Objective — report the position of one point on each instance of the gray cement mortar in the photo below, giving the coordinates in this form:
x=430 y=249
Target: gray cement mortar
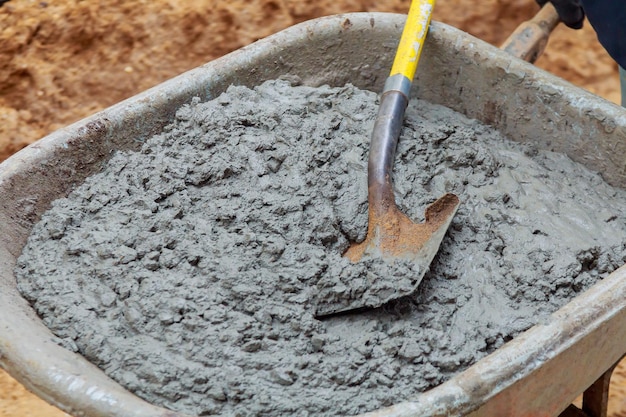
x=190 y=271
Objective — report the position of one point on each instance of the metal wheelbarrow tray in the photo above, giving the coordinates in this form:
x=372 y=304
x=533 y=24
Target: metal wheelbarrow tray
x=539 y=373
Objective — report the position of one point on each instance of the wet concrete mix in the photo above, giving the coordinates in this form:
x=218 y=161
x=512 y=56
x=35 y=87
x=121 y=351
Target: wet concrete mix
x=189 y=271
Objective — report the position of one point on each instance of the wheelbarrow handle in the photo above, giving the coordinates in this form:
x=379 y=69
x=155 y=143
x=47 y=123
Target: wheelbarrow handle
x=529 y=40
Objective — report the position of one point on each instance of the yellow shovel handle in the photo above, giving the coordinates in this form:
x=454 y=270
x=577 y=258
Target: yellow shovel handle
x=412 y=40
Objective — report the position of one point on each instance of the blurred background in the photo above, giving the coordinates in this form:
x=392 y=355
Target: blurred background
x=63 y=60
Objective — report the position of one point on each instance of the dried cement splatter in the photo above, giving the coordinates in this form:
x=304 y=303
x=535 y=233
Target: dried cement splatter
x=188 y=271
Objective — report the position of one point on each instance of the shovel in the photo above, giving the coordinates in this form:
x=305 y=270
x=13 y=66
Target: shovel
x=391 y=235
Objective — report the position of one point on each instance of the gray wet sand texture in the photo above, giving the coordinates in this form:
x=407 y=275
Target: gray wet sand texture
x=188 y=271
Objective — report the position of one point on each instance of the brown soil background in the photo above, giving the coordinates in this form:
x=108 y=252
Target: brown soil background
x=66 y=59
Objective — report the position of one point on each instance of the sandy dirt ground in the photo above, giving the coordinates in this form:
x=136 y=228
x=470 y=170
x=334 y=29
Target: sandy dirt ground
x=66 y=59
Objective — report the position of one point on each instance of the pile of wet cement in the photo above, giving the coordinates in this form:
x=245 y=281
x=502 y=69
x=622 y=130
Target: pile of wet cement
x=188 y=271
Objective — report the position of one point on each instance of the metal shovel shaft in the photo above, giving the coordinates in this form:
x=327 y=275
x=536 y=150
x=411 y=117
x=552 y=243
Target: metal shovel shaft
x=383 y=146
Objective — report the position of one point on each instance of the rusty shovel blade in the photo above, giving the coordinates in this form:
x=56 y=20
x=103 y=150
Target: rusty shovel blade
x=393 y=237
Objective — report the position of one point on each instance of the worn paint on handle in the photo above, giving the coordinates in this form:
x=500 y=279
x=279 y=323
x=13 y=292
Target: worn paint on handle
x=412 y=39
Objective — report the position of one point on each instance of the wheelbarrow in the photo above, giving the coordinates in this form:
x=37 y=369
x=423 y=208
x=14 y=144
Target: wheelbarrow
x=538 y=373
